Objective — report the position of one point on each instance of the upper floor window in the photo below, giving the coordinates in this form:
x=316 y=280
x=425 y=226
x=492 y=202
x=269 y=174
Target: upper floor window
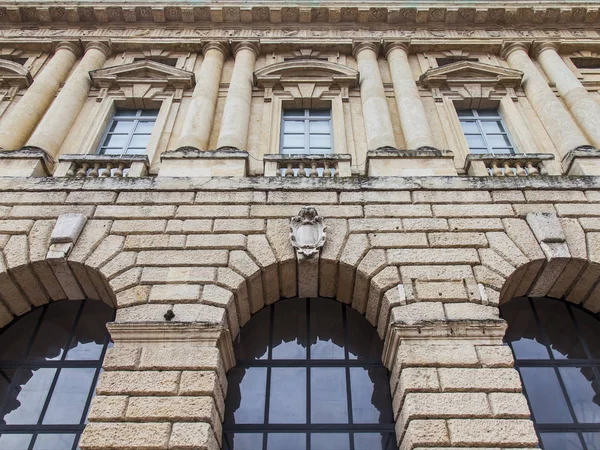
x=308 y=377
x=306 y=131
x=485 y=132
x=50 y=360
x=556 y=346
x=128 y=132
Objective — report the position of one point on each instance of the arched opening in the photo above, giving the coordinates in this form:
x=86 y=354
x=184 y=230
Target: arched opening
x=556 y=346
x=50 y=360
x=309 y=376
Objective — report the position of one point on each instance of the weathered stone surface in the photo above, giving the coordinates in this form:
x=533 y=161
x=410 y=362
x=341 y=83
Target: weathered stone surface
x=425 y=224
x=169 y=275
x=394 y=240
x=219 y=198
x=227 y=241
x=374 y=225
x=201 y=211
x=398 y=211
x=155 y=198
x=174 y=293
x=138 y=226
x=457 y=239
x=238 y=226
x=433 y=256
x=138 y=382
x=451 y=197
x=307 y=198
x=108 y=408
x=373 y=262
x=375 y=197
x=509 y=406
x=480 y=432
x=134 y=212
x=100 y=436
x=182 y=258
x=508 y=196
x=494 y=356
x=496 y=210
x=476 y=224
x=479 y=380
x=193 y=436
x=423 y=432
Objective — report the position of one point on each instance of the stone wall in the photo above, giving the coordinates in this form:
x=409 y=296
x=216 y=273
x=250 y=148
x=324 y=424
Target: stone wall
x=187 y=261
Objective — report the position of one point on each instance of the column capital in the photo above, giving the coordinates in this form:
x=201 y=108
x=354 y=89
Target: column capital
x=104 y=47
x=388 y=46
x=72 y=46
x=509 y=47
x=539 y=47
x=253 y=46
x=358 y=47
x=220 y=46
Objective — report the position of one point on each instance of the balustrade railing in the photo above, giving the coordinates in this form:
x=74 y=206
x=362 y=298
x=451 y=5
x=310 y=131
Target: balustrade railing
x=101 y=166
x=310 y=166
x=522 y=165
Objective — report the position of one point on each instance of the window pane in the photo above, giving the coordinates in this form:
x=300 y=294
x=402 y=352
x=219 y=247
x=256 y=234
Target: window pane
x=69 y=396
x=579 y=385
x=545 y=395
x=374 y=441
x=328 y=395
x=126 y=112
x=492 y=126
x=53 y=334
x=475 y=141
x=288 y=395
x=320 y=126
x=15 y=441
x=488 y=113
x=144 y=127
x=363 y=341
x=560 y=441
x=559 y=328
x=320 y=141
x=326 y=330
x=286 y=441
x=592 y=440
x=590 y=330
x=253 y=340
x=293 y=151
x=469 y=127
x=139 y=141
x=293 y=112
x=523 y=333
x=88 y=342
x=370 y=395
x=330 y=441
x=245 y=441
x=498 y=140
x=246 y=395
x=293 y=126
x=15 y=338
x=289 y=330
x=121 y=126
x=115 y=140
x=464 y=113
x=293 y=140
x=320 y=112
x=25 y=403
x=54 y=441
x=149 y=113
x=112 y=151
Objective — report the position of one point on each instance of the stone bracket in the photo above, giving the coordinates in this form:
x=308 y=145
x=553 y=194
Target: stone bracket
x=66 y=231
x=548 y=231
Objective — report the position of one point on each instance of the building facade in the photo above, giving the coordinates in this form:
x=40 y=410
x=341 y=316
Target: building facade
x=206 y=177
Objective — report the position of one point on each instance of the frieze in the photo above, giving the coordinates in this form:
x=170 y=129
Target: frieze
x=325 y=32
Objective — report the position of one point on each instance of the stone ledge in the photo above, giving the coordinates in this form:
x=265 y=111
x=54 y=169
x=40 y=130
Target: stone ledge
x=26 y=162
x=424 y=161
x=582 y=161
x=191 y=162
x=228 y=184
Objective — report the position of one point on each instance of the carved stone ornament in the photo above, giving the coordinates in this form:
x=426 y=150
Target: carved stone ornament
x=307 y=231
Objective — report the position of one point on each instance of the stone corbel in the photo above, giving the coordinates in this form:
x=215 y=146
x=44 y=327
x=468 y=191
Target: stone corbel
x=307 y=235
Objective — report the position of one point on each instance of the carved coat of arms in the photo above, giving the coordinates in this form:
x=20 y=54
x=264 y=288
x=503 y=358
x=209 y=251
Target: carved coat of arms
x=307 y=231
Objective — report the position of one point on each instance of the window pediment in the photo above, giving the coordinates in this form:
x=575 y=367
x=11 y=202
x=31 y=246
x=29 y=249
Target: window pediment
x=471 y=72
x=306 y=70
x=142 y=72
x=14 y=75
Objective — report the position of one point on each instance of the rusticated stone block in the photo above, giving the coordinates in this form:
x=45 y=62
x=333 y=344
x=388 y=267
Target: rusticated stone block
x=124 y=436
x=509 y=406
x=108 y=408
x=423 y=432
x=138 y=383
x=495 y=356
x=492 y=432
x=479 y=380
x=193 y=436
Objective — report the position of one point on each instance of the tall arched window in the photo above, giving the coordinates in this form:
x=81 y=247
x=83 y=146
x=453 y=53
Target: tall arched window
x=557 y=353
x=50 y=360
x=308 y=377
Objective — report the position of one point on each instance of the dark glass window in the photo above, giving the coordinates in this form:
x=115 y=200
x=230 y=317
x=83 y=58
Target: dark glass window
x=50 y=360
x=556 y=347
x=128 y=132
x=308 y=377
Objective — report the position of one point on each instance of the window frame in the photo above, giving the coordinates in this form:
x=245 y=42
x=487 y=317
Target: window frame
x=137 y=118
x=350 y=427
x=551 y=362
x=307 y=117
x=58 y=364
x=479 y=120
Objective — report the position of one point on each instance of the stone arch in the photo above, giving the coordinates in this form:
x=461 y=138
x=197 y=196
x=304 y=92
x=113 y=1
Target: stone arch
x=34 y=270
x=541 y=256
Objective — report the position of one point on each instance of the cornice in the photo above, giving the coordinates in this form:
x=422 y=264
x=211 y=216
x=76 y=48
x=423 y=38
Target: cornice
x=368 y=12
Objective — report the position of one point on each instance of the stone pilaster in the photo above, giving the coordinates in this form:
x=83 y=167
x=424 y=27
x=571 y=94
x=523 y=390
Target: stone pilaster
x=236 y=116
x=17 y=127
x=378 y=125
x=410 y=107
x=200 y=115
x=559 y=124
x=54 y=127
x=583 y=107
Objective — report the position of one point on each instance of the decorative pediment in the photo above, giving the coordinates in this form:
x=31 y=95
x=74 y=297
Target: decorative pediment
x=142 y=72
x=300 y=71
x=14 y=75
x=471 y=72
